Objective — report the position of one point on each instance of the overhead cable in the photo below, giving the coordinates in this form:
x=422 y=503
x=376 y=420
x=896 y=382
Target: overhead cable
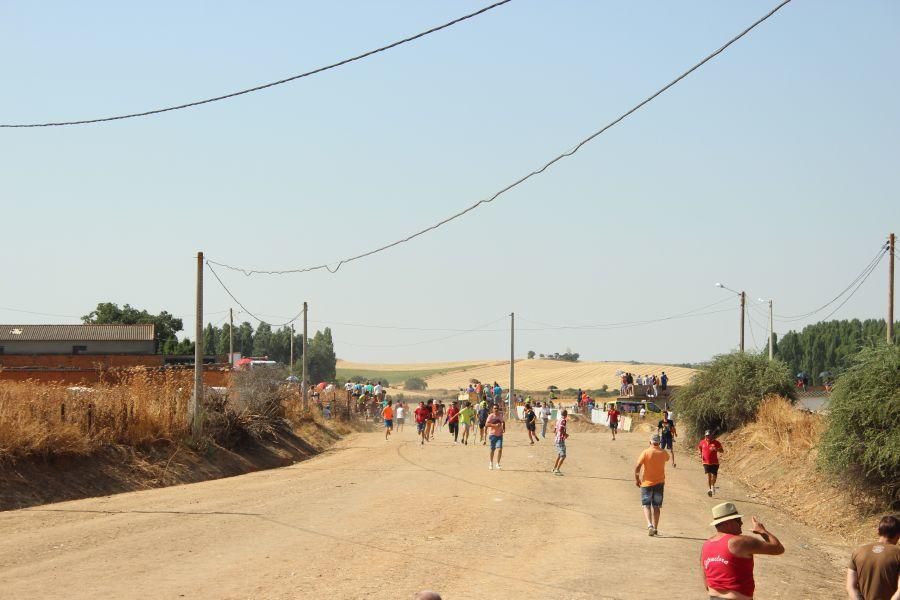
x=265 y=85
x=861 y=276
x=576 y=148
x=479 y=329
x=244 y=308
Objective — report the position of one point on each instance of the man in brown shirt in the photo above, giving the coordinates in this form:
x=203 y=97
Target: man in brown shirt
x=874 y=569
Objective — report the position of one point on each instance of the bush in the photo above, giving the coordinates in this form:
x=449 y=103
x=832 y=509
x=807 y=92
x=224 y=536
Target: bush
x=252 y=409
x=727 y=394
x=415 y=383
x=862 y=438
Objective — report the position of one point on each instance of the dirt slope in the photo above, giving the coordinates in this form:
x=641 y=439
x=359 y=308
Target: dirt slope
x=377 y=520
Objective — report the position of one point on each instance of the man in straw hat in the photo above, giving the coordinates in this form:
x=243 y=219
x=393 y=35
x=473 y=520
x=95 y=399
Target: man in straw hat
x=650 y=476
x=727 y=557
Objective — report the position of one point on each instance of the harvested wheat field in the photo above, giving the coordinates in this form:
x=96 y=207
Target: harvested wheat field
x=535 y=374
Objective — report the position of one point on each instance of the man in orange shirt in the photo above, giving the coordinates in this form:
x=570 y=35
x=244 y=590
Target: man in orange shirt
x=387 y=413
x=650 y=476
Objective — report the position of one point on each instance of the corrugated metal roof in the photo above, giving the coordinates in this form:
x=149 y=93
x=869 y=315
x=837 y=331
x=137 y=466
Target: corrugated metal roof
x=76 y=333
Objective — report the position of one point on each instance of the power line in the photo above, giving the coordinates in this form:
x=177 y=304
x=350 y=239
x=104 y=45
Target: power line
x=479 y=329
x=265 y=85
x=862 y=276
x=519 y=181
x=624 y=324
x=847 y=299
x=245 y=309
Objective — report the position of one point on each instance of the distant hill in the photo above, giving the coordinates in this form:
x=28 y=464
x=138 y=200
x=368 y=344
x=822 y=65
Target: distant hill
x=534 y=375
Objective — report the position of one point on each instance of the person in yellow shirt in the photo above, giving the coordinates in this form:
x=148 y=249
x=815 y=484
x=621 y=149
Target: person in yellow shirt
x=650 y=476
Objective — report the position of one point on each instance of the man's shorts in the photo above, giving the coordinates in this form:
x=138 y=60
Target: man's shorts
x=561 y=448
x=420 y=427
x=613 y=425
x=400 y=420
x=652 y=495
x=482 y=422
x=496 y=441
x=666 y=443
x=530 y=426
x=712 y=469
x=388 y=424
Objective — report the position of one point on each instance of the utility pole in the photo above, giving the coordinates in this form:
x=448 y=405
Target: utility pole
x=890 y=315
x=743 y=310
x=231 y=336
x=197 y=398
x=771 y=332
x=304 y=384
x=291 y=368
x=512 y=364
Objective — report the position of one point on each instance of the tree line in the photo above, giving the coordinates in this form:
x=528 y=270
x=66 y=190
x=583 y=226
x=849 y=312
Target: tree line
x=263 y=341
x=828 y=346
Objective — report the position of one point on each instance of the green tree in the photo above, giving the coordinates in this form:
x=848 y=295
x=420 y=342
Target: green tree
x=862 y=438
x=322 y=361
x=262 y=340
x=109 y=313
x=243 y=339
x=530 y=354
x=727 y=393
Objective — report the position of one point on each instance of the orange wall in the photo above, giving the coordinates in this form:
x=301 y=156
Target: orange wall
x=211 y=377
x=81 y=361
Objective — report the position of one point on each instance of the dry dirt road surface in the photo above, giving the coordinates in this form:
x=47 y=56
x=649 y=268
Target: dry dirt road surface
x=376 y=519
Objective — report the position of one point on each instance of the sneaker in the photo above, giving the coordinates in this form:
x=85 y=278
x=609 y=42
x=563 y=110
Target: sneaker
x=498 y=466
x=490 y=466
x=709 y=492
x=650 y=530
x=559 y=473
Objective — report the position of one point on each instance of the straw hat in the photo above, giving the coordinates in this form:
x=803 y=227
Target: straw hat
x=724 y=512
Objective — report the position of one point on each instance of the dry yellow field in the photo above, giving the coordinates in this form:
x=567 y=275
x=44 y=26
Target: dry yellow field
x=533 y=375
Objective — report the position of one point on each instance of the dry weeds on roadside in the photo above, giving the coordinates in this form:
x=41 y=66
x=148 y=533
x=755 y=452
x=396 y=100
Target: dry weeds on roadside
x=37 y=419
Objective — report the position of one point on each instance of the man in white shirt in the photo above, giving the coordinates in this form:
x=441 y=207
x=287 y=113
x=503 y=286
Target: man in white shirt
x=378 y=390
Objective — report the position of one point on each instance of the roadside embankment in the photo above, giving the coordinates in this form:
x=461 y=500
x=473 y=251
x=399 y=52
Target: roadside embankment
x=776 y=456
x=62 y=443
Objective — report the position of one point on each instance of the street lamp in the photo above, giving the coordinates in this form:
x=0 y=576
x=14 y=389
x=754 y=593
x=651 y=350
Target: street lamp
x=771 y=329
x=743 y=296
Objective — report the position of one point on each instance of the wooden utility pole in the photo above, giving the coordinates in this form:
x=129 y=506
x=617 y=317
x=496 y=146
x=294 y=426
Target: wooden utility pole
x=743 y=309
x=890 y=315
x=771 y=332
x=512 y=365
x=197 y=398
x=304 y=384
x=231 y=336
x=291 y=368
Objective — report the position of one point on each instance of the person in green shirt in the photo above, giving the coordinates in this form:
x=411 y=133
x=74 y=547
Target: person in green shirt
x=466 y=420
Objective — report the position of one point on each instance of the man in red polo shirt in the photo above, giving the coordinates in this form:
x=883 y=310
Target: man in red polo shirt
x=709 y=448
x=422 y=414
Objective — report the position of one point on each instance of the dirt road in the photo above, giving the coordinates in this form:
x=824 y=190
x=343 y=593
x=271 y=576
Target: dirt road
x=371 y=519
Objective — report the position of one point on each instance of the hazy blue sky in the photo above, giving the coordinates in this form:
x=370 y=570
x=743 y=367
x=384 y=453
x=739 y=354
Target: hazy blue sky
x=774 y=168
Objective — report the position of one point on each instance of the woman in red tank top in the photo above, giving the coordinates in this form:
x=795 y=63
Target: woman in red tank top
x=727 y=557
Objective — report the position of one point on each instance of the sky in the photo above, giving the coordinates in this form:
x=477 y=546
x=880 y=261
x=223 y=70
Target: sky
x=772 y=169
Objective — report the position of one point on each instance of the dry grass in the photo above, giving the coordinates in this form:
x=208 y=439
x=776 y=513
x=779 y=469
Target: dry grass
x=776 y=456
x=40 y=419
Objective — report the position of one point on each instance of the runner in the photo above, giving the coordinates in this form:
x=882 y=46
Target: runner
x=667 y=434
x=387 y=413
x=874 y=569
x=496 y=427
x=650 y=476
x=727 y=557
x=400 y=415
x=466 y=418
x=453 y=421
x=562 y=425
x=422 y=414
x=613 y=415
x=438 y=416
x=545 y=419
x=531 y=424
x=431 y=407
x=709 y=448
x=482 y=422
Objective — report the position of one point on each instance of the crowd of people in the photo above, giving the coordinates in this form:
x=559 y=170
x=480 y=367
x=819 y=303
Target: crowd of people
x=646 y=385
